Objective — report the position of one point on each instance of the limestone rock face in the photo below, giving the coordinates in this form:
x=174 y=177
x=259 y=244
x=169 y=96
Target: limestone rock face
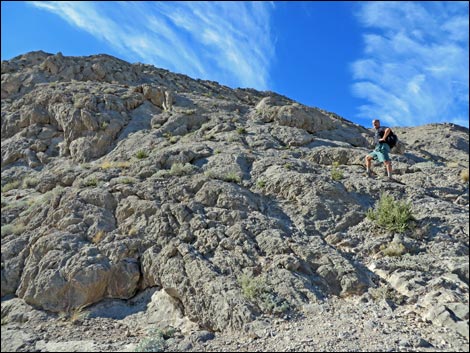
x=119 y=178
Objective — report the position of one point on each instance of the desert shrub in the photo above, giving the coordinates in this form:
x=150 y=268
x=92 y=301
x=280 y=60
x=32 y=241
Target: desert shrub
x=98 y=237
x=115 y=164
x=10 y=186
x=386 y=293
x=257 y=291
x=232 y=177
x=392 y=215
x=141 y=154
x=127 y=180
x=260 y=183
x=336 y=173
x=30 y=182
x=90 y=182
x=464 y=175
x=7 y=229
x=154 y=342
x=178 y=169
x=393 y=249
x=251 y=287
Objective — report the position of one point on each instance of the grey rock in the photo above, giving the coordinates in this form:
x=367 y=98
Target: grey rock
x=118 y=178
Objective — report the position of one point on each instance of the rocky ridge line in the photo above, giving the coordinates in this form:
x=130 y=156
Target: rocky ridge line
x=122 y=178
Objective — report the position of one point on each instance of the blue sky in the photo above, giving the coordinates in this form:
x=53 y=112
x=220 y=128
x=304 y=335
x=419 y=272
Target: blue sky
x=405 y=63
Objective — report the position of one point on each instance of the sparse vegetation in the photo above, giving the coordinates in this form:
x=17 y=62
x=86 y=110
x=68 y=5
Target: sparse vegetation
x=115 y=164
x=30 y=182
x=452 y=164
x=133 y=231
x=260 y=183
x=78 y=315
x=154 y=342
x=241 y=130
x=127 y=181
x=39 y=201
x=209 y=137
x=256 y=290
x=16 y=229
x=336 y=173
x=74 y=316
x=11 y=185
x=464 y=175
x=7 y=229
x=85 y=165
x=141 y=154
x=394 y=216
x=393 y=249
x=98 y=237
x=179 y=169
x=384 y=292
x=220 y=243
x=251 y=287
x=90 y=182
x=233 y=138
x=232 y=177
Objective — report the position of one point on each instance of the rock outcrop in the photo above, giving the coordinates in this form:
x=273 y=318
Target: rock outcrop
x=231 y=203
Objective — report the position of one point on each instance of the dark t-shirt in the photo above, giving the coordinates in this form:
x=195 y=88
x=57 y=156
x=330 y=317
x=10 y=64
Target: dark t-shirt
x=379 y=133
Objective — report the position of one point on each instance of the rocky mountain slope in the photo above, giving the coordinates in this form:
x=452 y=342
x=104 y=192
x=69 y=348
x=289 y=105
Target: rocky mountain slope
x=135 y=194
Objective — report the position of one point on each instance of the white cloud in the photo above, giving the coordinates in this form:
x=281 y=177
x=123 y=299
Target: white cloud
x=414 y=68
x=228 y=42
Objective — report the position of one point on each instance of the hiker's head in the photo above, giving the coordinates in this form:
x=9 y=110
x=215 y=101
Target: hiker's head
x=376 y=123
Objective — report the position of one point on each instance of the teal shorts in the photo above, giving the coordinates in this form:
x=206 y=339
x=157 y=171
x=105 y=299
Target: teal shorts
x=381 y=152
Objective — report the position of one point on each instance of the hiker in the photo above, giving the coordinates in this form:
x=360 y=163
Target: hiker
x=382 y=149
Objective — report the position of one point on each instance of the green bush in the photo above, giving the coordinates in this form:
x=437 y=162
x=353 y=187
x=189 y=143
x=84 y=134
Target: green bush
x=336 y=173
x=90 y=182
x=154 y=342
x=141 y=154
x=256 y=290
x=394 y=216
x=232 y=177
x=393 y=249
x=260 y=183
x=12 y=185
x=30 y=182
x=252 y=287
x=16 y=229
x=179 y=169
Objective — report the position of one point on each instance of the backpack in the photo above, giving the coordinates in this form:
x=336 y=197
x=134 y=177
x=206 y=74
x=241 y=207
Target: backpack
x=391 y=140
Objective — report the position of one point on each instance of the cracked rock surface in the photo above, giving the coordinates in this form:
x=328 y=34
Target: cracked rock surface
x=143 y=207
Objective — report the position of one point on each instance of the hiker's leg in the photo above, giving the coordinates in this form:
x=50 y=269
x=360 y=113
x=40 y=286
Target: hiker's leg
x=368 y=163
x=388 y=166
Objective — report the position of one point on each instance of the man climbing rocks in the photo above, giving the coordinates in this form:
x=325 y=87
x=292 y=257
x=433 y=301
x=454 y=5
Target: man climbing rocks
x=382 y=149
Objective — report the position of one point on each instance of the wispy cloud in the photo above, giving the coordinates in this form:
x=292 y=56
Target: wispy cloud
x=415 y=65
x=228 y=42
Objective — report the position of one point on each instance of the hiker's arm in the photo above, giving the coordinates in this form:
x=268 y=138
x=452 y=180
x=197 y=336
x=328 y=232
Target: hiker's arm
x=386 y=133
